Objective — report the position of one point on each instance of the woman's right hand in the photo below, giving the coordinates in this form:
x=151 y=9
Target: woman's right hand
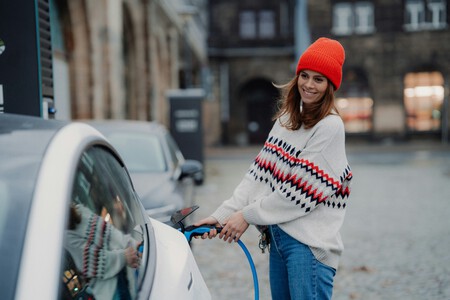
x=208 y=221
x=132 y=257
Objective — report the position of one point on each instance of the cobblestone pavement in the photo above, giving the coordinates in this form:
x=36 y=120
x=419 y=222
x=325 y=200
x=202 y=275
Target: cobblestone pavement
x=396 y=232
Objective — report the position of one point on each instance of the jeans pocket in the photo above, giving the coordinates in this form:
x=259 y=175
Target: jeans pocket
x=326 y=267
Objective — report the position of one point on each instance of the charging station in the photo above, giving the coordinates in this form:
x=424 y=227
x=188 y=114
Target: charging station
x=26 y=69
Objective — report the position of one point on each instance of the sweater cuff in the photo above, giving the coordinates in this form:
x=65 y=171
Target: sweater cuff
x=250 y=214
x=221 y=215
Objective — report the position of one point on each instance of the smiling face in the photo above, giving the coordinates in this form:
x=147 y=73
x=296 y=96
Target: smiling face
x=311 y=86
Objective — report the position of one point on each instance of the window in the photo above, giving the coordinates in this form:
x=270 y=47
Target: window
x=146 y=155
x=253 y=24
x=364 y=18
x=266 y=24
x=176 y=157
x=415 y=14
x=342 y=19
x=425 y=15
x=353 y=18
x=438 y=11
x=247 y=22
x=423 y=98
x=105 y=219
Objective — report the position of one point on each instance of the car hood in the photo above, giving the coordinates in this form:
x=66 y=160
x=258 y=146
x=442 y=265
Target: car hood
x=179 y=276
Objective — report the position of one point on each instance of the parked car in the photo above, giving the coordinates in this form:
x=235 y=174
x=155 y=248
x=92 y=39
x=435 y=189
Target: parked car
x=72 y=225
x=163 y=178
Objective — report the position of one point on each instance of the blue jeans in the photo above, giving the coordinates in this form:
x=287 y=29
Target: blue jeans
x=294 y=271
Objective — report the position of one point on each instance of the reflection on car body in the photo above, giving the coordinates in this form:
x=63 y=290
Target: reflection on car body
x=72 y=225
x=101 y=227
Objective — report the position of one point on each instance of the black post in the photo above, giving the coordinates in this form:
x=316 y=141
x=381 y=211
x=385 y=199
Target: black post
x=186 y=124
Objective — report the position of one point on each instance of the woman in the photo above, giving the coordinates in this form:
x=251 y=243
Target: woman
x=299 y=182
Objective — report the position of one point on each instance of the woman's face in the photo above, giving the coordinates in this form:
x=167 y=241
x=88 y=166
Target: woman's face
x=311 y=86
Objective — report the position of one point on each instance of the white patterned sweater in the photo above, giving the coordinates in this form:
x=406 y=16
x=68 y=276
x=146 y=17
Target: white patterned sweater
x=300 y=180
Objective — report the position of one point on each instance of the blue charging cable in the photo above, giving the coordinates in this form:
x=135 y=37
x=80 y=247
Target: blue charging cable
x=192 y=231
x=252 y=266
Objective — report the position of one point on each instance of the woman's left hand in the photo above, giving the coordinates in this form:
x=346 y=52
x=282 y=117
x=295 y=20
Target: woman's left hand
x=234 y=227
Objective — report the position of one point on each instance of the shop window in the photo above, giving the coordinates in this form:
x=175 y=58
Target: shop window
x=425 y=15
x=354 y=103
x=423 y=99
x=356 y=113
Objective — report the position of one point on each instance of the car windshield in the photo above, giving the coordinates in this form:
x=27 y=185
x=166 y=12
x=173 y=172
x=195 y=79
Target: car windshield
x=141 y=152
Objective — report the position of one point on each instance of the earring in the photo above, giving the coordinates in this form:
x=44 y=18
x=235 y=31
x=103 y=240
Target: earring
x=301 y=106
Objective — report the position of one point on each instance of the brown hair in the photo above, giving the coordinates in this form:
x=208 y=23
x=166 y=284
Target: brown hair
x=311 y=114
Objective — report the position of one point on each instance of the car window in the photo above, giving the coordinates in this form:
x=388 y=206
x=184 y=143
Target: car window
x=105 y=220
x=141 y=152
x=174 y=150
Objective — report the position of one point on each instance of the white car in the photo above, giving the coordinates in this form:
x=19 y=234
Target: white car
x=72 y=225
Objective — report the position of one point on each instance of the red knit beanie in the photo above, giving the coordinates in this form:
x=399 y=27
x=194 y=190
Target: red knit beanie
x=325 y=56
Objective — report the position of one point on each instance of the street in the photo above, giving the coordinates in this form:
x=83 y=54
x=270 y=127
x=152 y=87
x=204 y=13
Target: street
x=396 y=232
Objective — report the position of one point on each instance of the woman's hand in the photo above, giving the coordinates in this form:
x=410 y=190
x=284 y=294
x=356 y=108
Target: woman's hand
x=208 y=221
x=132 y=257
x=234 y=227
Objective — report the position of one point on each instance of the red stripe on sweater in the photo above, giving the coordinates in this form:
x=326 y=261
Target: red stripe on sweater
x=304 y=162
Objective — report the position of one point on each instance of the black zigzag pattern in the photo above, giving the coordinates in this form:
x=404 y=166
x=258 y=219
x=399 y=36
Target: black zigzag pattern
x=287 y=155
x=274 y=166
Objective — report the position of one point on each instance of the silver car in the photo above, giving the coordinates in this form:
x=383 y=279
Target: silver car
x=164 y=180
x=72 y=225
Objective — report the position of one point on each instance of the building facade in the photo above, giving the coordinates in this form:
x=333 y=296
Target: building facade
x=119 y=59
x=396 y=74
x=251 y=47
x=116 y=59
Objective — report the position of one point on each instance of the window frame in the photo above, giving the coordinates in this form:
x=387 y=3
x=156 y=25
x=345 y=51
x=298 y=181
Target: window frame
x=349 y=19
x=422 y=15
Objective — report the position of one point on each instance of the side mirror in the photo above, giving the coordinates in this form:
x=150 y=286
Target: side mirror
x=194 y=169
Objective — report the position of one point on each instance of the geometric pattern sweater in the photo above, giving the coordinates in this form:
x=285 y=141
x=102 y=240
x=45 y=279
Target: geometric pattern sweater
x=300 y=180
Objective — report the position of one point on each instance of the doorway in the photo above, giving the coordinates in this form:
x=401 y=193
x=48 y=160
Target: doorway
x=260 y=97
